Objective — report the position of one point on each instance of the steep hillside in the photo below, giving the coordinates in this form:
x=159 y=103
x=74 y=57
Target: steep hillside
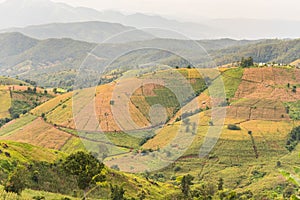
x=20 y=43
x=279 y=51
x=11 y=81
x=262 y=108
x=45 y=166
x=18 y=97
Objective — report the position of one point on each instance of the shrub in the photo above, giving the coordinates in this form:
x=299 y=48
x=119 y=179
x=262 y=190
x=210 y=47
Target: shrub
x=115 y=167
x=16 y=181
x=233 y=127
x=293 y=139
x=177 y=169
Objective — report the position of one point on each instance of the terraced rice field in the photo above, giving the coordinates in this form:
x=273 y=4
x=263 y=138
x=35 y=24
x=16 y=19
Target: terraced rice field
x=37 y=133
x=51 y=104
x=269 y=83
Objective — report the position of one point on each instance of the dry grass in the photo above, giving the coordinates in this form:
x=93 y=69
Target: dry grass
x=269 y=83
x=5 y=102
x=39 y=133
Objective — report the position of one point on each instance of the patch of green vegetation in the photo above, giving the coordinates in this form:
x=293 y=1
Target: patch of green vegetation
x=120 y=139
x=194 y=77
x=29 y=194
x=13 y=153
x=232 y=79
x=61 y=177
x=164 y=97
x=293 y=139
x=293 y=109
x=11 y=81
x=18 y=108
x=124 y=140
x=17 y=124
x=24 y=101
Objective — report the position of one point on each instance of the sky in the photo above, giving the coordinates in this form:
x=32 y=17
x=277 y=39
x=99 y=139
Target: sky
x=195 y=10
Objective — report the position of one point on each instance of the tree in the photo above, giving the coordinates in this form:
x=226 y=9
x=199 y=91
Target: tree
x=248 y=62
x=142 y=195
x=86 y=169
x=220 y=184
x=54 y=90
x=117 y=193
x=16 y=181
x=294 y=89
x=186 y=182
x=278 y=164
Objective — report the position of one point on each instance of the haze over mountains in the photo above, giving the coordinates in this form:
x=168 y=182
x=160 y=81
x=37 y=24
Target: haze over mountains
x=22 y=13
x=93 y=31
x=51 y=60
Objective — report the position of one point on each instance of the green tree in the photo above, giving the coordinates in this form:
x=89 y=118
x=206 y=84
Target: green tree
x=16 y=182
x=54 y=90
x=86 y=169
x=294 y=89
x=248 y=62
x=186 y=183
x=220 y=184
x=34 y=90
x=117 y=193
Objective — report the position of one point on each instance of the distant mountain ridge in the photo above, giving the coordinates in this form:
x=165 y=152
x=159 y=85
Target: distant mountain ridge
x=93 y=31
x=22 y=13
x=55 y=62
x=279 y=51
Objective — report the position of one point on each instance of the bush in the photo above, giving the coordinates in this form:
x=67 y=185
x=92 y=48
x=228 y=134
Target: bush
x=177 y=169
x=38 y=197
x=293 y=139
x=248 y=62
x=233 y=127
x=16 y=181
x=115 y=167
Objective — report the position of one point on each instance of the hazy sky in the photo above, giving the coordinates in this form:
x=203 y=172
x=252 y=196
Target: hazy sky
x=197 y=9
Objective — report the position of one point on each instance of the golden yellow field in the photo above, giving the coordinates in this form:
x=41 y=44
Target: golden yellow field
x=5 y=102
x=51 y=104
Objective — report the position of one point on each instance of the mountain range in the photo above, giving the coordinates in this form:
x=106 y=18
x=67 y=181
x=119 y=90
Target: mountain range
x=50 y=61
x=22 y=13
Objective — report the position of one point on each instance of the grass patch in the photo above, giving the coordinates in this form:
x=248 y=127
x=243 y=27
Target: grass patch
x=16 y=125
x=232 y=79
x=293 y=109
x=5 y=103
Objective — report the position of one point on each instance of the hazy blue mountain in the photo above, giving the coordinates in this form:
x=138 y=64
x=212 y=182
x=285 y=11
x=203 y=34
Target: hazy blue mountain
x=95 y=32
x=15 y=43
x=21 y=13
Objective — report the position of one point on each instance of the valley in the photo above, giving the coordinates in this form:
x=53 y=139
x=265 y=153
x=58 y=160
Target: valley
x=256 y=106
x=140 y=100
